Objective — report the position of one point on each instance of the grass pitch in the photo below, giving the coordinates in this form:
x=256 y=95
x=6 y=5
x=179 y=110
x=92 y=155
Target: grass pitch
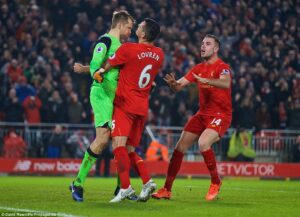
x=49 y=196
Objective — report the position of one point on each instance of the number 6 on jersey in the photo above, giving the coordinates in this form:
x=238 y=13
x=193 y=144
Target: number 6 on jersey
x=145 y=77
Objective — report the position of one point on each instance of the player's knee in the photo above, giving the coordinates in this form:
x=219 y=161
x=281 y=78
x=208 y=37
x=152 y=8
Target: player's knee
x=101 y=142
x=204 y=145
x=98 y=147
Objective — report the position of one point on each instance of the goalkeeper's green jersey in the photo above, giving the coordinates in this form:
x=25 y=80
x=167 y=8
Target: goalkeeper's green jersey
x=102 y=94
x=105 y=47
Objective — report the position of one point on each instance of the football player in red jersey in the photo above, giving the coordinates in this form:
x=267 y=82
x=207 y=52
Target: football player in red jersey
x=139 y=64
x=211 y=121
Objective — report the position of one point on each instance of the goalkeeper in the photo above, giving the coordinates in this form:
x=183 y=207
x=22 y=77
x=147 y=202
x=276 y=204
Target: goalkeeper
x=102 y=94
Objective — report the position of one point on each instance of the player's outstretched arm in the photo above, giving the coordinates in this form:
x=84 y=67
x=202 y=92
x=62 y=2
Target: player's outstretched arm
x=223 y=82
x=79 y=68
x=175 y=85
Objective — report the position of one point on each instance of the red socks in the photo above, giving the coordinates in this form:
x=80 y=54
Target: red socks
x=209 y=159
x=123 y=165
x=139 y=166
x=173 y=169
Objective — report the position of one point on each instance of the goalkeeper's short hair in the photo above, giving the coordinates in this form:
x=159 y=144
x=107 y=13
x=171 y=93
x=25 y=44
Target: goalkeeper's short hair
x=121 y=16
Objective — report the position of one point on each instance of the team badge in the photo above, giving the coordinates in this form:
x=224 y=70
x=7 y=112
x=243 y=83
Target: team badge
x=225 y=72
x=99 y=50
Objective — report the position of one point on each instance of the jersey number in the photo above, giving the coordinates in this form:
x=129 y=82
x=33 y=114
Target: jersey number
x=145 y=77
x=216 y=121
x=113 y=124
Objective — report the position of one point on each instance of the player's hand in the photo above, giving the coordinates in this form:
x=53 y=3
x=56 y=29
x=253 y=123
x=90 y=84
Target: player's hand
x=200 y=79
x=78 y=67
x=171 y=80
x=98 y=76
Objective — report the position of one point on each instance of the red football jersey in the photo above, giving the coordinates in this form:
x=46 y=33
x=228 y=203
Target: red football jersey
x=139 y=64
x=212 y=100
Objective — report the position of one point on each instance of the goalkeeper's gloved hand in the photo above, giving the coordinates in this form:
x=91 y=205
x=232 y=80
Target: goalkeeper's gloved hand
x=98 y=75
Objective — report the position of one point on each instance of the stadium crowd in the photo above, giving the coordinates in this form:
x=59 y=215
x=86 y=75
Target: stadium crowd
x=41 y=40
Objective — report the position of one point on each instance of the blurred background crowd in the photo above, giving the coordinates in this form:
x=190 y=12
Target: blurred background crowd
x=41 y=40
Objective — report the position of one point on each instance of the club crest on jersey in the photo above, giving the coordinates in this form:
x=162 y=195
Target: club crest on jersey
x=112 y=56
x=225 y=72
x=99 y=50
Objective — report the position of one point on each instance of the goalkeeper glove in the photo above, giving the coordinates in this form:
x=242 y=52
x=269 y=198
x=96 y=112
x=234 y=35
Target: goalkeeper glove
x=98 y=75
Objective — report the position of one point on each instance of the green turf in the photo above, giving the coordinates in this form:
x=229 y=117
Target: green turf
x=237 y=198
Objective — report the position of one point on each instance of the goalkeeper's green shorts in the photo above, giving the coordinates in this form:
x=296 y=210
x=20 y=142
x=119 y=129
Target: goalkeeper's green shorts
x=102 y=104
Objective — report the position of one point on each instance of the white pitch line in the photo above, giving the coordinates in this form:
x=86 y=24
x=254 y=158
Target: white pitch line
x=44 y=213
x=250 y=190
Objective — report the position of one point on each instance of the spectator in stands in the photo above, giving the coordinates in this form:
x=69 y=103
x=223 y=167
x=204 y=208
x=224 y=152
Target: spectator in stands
x=23 y=89
x=162 y=106
x=14 y=146
x=41 y=36
x=294 y=115
x=12 y=108
x=263 y=117
x=14 y=71
x=55 y=142
x=246 y=111
x=75 y=110
x=32 y=106
x=77 y=144
x=45 y=91
x=55 y=109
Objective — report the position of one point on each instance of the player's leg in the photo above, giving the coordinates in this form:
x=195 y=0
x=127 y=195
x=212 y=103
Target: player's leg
x=102 y=107
x=133 y=141
x=89 y=159
x=207 y=138
x=137 y=162
x=92 y=154
x=189 y=136
x=120 y=131
x=216 y=127
x=123 y=168
x=187 y=139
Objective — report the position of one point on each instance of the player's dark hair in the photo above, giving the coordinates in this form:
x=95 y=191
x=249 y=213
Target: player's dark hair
x=151 y=29
x=121 y=16
x=217 y=40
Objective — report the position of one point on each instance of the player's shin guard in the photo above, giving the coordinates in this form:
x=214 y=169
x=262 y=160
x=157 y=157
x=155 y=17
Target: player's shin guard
x=173 y=168
x=139 y=165
x=210 y=161
x=123 y=165
x=87 y=163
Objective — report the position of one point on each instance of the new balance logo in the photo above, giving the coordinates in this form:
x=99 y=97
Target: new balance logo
x=22 y=165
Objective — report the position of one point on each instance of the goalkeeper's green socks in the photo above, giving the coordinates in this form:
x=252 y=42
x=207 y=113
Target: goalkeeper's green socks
x=88 y=161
